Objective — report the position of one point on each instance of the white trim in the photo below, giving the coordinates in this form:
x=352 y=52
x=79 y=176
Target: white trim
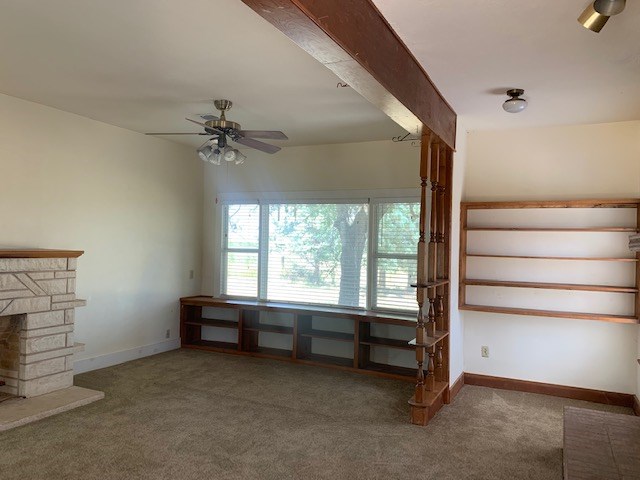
x=109 y=359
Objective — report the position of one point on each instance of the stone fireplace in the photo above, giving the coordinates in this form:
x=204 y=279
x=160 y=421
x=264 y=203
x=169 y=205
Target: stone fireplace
x=37 y=315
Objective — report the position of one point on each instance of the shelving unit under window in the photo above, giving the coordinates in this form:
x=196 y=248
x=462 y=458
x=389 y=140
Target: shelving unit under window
x=367 y=342
x=567 y=259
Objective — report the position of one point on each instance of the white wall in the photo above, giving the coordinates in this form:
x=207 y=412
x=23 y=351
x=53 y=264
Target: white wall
x=572 y=162
x=132 y=203
x=456 y=332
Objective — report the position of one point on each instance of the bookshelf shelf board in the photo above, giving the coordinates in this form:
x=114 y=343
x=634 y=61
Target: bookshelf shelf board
x=265 y=327
x=550 y=286
x=534 y=257
x=213 y=322
x=328 y=335
x=551 y=313
x=558 y=229
x=431 y=341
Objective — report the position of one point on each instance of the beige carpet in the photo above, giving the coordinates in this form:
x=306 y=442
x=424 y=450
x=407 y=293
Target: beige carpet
x=197 y=415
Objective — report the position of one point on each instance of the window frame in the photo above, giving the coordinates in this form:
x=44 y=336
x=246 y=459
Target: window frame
x=372 y=250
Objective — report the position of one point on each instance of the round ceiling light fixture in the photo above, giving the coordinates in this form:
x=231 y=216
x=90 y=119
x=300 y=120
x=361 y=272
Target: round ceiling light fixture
x=515 y=104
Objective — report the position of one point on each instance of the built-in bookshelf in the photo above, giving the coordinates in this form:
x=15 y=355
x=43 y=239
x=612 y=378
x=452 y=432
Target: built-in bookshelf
x=372 y=343
x=512 y=254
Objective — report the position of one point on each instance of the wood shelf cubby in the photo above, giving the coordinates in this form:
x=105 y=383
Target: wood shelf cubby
x=328 y=335
x=590 y=251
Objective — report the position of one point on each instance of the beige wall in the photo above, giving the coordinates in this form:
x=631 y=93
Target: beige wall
x=133 y=203
x=572 y=162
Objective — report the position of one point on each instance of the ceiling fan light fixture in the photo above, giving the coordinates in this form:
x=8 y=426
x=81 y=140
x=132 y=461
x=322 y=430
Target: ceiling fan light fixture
x=592 y=20
x=240 y=157
x=205 y=153
x=609 y=8
x=515 y=104
x=216 y=157
x=229 y=153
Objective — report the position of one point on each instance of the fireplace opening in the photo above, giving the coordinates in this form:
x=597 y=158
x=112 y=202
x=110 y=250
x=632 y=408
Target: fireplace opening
x=10 y=327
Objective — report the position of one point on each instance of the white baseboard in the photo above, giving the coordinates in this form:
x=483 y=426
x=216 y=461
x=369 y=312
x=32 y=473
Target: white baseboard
x=109 y=359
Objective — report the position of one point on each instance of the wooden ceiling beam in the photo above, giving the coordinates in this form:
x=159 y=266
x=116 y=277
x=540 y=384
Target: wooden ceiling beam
x=353 y=39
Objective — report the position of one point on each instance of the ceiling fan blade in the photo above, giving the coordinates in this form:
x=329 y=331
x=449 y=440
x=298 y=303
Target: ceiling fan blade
x=209 y=117
x=174 y=133
x=271 y=134
x=258 y=145
x=204 y=125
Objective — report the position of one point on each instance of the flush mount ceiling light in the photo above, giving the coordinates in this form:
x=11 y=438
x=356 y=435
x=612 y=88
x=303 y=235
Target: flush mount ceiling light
x=595 y=16
x=515 y=104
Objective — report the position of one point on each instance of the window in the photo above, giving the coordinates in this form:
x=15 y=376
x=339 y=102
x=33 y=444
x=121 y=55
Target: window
x=241 y=250
x=319 y=253
x=395 y=255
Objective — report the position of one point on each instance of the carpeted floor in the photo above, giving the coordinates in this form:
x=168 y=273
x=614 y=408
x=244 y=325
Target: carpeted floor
x=196 y=415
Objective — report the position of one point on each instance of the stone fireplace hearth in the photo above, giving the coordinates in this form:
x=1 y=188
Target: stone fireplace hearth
x=37 y=315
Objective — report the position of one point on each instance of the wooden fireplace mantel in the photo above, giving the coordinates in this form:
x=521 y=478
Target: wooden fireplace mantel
x=39 y=253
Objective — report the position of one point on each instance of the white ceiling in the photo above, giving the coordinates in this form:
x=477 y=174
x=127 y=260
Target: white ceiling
x=475 y=50
x=146 y=64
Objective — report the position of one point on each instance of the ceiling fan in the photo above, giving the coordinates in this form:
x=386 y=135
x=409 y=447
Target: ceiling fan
x=222 y=131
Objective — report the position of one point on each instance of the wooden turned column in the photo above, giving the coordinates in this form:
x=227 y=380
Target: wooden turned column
x=421 y=279
x=441 y=251
x=432 y=263
x=432 y=298
x=432 y=260
x=439 y=370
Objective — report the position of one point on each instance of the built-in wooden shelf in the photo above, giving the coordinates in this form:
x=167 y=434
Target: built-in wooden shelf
x=590 y=285
x=534 y=257
x=249 y=327
x=406 y=320
x=437 y=283
x=555 y=229
x=551 y=313
x=266 y=327
x=387 y=342
x=430 y=341
x=328 y=335
x=549 y=286
x=213 y=322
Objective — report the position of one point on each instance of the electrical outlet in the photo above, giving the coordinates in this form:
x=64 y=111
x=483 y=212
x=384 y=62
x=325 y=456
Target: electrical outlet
x=190 y=274
x=168 y=334
x=484 y=351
